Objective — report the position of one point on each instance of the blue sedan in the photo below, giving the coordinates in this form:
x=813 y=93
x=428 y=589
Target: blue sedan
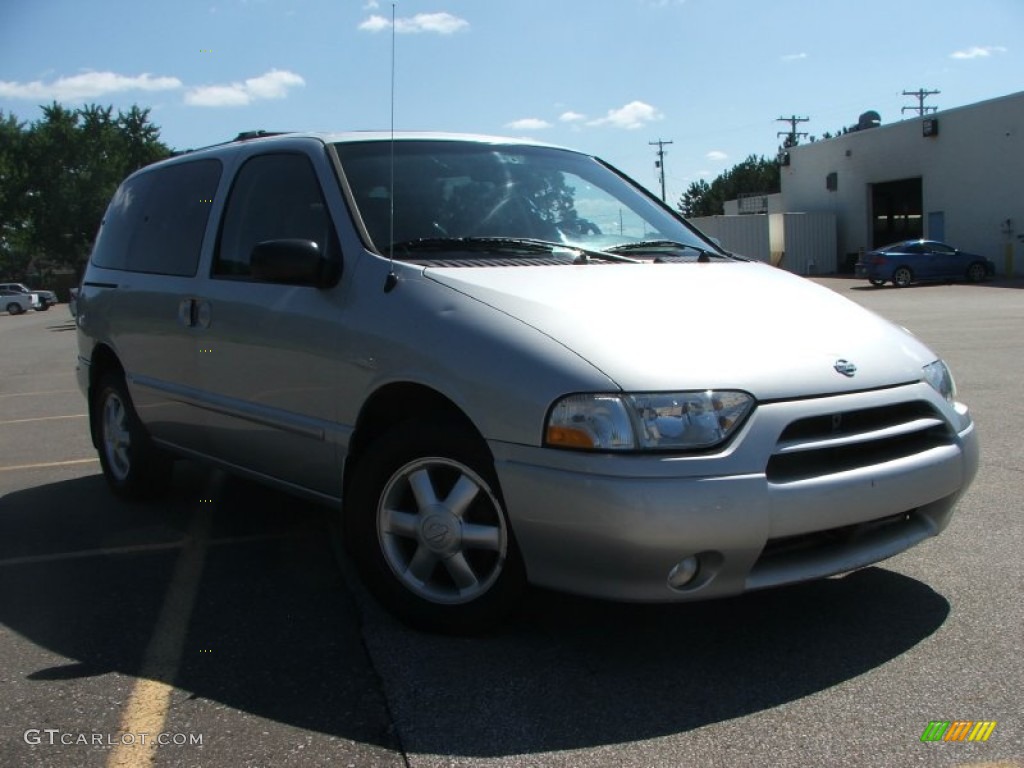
x=914 y=261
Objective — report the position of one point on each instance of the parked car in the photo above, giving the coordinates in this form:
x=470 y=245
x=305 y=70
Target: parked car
x=501 y=362
x=912 y=261
x=40 y=300
x=14 y=302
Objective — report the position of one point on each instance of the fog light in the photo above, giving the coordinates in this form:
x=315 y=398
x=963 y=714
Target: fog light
x=683 y=572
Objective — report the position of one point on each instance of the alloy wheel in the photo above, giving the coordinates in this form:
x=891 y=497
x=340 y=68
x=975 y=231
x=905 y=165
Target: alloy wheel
x=442 y=531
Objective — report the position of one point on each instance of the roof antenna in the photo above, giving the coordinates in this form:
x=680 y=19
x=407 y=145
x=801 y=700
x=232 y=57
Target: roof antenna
x=392 y=279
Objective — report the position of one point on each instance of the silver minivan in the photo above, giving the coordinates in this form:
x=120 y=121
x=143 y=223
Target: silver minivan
x=503 y=362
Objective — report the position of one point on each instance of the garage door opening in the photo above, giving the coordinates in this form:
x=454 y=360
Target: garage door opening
x=896 y=211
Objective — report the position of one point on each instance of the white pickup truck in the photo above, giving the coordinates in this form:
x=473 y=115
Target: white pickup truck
x=40 y=300
x=13 y=302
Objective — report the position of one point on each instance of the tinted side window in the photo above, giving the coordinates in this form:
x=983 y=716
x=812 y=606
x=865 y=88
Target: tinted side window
x=274 y=197
x=156 y=221
x=174 y=219
x=122 y=216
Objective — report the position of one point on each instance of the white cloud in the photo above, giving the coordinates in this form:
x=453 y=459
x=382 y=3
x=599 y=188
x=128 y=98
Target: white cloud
x=977 y=52
x=634 y=115
x=571 y=117
x=528 y=124
x=218 y=96
x=88 y=85
x=715 y=154
x=440 y=23
x=370 y=5
x=272 y=85
x=375 y=24
x=794 y=56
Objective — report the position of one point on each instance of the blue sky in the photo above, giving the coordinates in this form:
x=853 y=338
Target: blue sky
x=605 y=76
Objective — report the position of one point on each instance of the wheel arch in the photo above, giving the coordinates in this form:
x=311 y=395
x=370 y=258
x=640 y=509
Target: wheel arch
x=395 y=403
x=102 y=361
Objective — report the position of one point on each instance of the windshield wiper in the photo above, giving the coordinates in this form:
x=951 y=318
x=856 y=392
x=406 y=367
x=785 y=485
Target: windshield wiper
x=581 y=255
x=647 y=245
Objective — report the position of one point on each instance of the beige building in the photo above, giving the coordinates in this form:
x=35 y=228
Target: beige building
x=955 y=175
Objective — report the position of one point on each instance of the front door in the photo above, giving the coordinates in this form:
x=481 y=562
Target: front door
x=270 y=357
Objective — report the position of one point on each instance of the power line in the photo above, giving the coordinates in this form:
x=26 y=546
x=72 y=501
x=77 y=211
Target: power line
x=921 y=94
x=792 y=135
x=660 y=163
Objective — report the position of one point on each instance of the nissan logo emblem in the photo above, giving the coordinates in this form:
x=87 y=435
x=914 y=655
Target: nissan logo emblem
x=845 y=367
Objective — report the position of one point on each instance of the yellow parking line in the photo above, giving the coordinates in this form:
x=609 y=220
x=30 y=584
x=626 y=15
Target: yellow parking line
x=105 y=552
x=45 y=418
x=132 y=549
x=146 y=710
x=33 y=394
x=46 y=464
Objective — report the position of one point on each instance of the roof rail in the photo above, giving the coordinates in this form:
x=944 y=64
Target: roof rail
x=243 y=136
x=246 y=135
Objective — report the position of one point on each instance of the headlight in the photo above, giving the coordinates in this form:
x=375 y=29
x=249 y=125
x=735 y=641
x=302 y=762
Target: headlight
x=665 y=421
x=939 y=376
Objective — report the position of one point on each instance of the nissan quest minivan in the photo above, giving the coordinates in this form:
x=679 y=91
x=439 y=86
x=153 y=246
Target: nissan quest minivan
x=502 y=363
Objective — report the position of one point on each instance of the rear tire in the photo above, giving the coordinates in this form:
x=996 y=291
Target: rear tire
x=902 y=277
x=425 y=524
x=134 y=468
x=14 y=309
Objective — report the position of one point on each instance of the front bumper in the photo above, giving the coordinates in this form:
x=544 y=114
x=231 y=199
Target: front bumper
x=614 y=526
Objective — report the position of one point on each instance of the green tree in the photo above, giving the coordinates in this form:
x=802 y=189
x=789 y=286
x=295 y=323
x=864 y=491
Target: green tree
x=15 y=225
x=755 y=175
x=66 y=167
x=141 y=139
x=699 y=200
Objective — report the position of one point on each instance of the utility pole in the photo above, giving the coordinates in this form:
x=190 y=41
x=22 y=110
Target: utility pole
x=921 y=94
x=660 y=163
x=792 y=135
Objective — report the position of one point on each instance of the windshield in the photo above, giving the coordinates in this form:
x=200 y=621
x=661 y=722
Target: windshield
x=466 y=189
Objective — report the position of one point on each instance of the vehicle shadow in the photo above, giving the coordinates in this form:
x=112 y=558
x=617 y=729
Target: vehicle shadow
x=575 y=673
x=278 y=631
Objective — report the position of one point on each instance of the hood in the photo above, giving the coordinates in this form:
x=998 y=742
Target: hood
x=722 y=325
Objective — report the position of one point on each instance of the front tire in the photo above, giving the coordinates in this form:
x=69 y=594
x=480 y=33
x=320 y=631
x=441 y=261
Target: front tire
x=425 y=524
x=133 y=467
x=976 y=272
x=902 y=277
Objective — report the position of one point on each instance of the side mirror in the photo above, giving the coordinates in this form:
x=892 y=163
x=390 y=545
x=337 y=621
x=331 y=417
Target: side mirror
x=293 y=262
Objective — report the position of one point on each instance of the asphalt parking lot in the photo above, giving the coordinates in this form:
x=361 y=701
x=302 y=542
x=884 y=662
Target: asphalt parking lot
x=219 y=620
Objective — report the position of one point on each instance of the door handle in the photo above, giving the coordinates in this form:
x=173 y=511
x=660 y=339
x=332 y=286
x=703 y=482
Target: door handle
x=194 y=313
x=187 y=312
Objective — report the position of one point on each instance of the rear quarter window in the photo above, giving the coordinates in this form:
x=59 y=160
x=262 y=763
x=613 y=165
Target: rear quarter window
x=156 y=220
